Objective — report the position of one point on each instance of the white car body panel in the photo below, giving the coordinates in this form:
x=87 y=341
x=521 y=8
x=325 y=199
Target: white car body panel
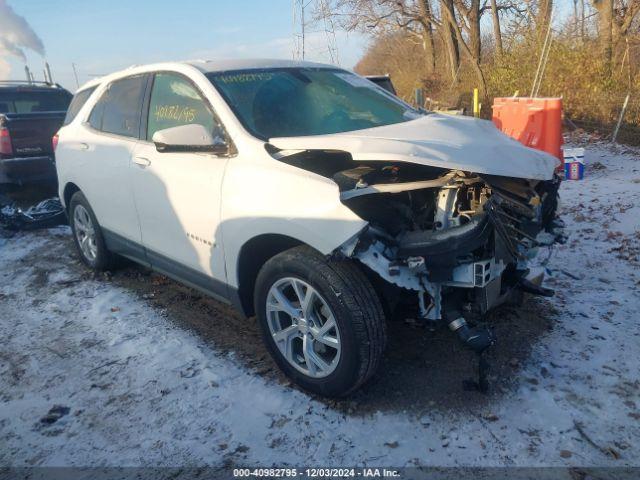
x=436 y=140
x=264 y=196
x=100 y=163
x=178 y=202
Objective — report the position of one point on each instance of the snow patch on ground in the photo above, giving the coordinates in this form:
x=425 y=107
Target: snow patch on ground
x=141 y=391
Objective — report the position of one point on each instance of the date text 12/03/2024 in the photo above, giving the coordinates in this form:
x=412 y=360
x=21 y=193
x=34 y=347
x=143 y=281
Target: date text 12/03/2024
x=316 y=473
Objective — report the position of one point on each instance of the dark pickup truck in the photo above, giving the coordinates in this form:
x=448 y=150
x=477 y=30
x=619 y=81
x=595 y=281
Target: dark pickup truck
x=30 y=115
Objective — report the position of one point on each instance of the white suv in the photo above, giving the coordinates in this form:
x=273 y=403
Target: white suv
x=308 y=196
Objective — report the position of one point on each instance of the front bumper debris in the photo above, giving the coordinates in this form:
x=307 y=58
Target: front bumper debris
x=464 y=249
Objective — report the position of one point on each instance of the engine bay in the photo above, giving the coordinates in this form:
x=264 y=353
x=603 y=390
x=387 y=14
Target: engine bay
x=442 y=233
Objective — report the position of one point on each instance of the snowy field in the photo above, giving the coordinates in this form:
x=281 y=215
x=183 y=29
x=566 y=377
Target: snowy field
x=132 y=369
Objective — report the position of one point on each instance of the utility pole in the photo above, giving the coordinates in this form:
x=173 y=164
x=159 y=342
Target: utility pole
x=323 y=15
x=75 y=74
x=329 y=31
x=300 y=29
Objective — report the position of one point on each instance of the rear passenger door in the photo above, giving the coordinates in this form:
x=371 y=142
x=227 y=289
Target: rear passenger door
x=105 y=150
x=178 y=193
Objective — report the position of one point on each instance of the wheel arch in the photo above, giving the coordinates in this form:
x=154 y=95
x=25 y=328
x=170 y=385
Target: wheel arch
x=69 y=190
x=253 y=255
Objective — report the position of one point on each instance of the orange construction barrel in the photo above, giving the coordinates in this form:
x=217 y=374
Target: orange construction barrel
x=534 y=122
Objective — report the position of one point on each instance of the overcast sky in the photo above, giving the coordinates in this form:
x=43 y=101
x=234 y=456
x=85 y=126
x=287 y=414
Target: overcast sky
x=102 y=36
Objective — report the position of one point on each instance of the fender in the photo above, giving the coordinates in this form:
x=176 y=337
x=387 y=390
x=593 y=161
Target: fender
x=283 y=200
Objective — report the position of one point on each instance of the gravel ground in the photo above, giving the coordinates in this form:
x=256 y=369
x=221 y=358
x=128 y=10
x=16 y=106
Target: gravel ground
x=133 y=369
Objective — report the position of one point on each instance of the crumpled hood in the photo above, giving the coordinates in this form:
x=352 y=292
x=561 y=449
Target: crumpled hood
x=437 y=140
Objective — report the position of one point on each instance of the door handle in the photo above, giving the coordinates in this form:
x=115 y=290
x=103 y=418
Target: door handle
x=142 y=161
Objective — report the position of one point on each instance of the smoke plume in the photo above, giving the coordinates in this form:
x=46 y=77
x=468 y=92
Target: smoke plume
x=15 y=36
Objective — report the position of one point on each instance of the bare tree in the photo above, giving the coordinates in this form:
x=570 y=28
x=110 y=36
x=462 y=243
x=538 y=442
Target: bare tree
x=605 y=29
x=450 y=40
x=624 y=15
x=497 y=33
x=543 y=18
x=417 y=18
x=428 y=43
x=470 y=12
x=449 y=16
x=615 y=19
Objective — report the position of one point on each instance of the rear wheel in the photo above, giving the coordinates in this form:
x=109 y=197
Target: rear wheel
x=87 y=234
x=321 y=321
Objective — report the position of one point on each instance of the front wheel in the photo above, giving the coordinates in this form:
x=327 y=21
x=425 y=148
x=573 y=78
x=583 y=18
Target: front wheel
x=321 y=320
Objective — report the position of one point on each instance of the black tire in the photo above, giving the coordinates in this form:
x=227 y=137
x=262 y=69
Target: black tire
x=354 y=304
x=104 y=259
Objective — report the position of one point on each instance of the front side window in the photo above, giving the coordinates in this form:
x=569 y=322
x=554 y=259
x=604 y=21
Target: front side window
x=79 y=99
x=119 y=107
x=289 y=102
x=174 y=102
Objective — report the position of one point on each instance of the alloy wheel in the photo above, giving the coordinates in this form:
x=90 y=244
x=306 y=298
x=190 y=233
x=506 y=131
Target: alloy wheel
x=303 y=327
x=85 y=233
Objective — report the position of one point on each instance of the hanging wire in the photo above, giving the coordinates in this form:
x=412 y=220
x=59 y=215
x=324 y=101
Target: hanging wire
x=544 y=57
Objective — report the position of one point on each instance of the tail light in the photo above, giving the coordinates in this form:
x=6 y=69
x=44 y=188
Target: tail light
x=54 y=142
x=5 y=142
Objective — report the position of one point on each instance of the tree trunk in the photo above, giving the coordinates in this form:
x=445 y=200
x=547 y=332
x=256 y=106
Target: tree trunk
x=605 y=29
x=496 y=28
x=450 y=40
x=448 y=15
x=625 y=20
x=582 y=20
x=475 y=41
x=427 y=37
x=545 y=7
x=429 y=51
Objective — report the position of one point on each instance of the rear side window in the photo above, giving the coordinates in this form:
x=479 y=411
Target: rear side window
x=118 y=110
x=79 y=99
x=26 y=101
x=175 y=101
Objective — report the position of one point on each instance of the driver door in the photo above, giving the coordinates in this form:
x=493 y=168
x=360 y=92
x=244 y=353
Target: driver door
x=177 y=195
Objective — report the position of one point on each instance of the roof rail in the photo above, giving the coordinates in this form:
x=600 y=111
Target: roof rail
x=27 y=83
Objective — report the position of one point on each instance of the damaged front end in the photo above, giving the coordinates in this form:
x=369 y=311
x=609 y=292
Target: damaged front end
x=451 y=226
x=461 y=232
x=460 y=241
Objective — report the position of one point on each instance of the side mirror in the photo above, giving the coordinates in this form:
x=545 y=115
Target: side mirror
x=189 y=138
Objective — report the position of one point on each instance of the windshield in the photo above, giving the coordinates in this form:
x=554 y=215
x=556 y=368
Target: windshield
x=34 y=101
x=291 y=102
